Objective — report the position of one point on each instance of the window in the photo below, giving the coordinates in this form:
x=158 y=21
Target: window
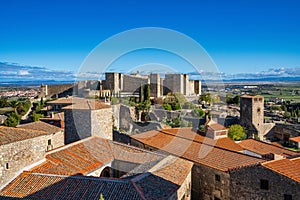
x=217 y=177
x=288 y=197
x=258 y=110
x=216 y=198
x=49 y=142
x=6 y=166
x=264 y=184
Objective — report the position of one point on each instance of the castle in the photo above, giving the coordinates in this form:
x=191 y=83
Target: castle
x=119 y=85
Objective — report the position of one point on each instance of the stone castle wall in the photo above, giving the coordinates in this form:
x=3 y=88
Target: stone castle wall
x=59 y=90
x=132 y=84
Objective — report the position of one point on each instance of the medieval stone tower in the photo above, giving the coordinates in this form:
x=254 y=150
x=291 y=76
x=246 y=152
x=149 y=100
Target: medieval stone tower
x=252 y=114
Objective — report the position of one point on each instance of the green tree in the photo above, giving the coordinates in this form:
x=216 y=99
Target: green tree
x=147 y=92
x=167 y=106
x=14 y=105
x=206 y=97
x=198 y=112
x=3 y=103
x=141 y=95
x=237 y=132
x=13 y=120
x=36 y=116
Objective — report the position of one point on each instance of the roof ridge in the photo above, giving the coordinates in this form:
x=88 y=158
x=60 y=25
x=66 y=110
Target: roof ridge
x=269 y=144
x=221 y=148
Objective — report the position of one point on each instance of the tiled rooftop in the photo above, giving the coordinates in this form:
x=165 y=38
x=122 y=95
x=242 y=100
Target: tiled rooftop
x=88 y=155
x=263 y=148
x=217 y=154
x=10 y=135
x=57 y=177
x=48 y=187
x=64 y=100
x=215 y=126
x=287 y=167
x=40 y=126
x=251 y=96
x=87 y=104
x=295 y=139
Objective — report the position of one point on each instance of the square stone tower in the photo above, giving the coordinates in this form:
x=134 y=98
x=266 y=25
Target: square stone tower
x=252 y=114
x=155 y=85
x=85 y=118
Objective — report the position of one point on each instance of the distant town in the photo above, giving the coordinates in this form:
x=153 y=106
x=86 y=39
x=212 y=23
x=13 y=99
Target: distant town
x=133 y=136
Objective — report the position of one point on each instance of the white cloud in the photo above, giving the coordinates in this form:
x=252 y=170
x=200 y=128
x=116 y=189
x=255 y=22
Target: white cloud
x=23 y=72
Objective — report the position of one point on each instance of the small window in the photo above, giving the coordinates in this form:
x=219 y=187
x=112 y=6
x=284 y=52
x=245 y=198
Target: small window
x=49 y=142
x=255 y=99
x=217 y=177
x=288 y=197
x=264 y=184
x=258 y=109
x=216 y=198
x=6 y=166
x=260 y=99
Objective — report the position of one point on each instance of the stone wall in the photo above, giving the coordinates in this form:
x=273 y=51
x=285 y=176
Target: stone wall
x=58 y=90
x=245 y=184
x=126 y=123
x=17 y=155
x=184 y=192
x=57 y=139
x=208 y=183
x=77 y=125
x=83 y=123
x=102 y=123
x=133 y=83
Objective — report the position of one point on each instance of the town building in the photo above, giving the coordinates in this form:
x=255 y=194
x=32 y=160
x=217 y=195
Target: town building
x=87 y=117
x=213 y=158
x=26 y=145
x=103 y=167
x=265 y=150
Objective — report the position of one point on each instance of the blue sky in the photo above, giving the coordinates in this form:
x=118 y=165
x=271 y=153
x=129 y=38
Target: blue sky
x=246 y=36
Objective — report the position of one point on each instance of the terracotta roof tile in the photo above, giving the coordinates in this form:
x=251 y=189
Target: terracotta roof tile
x=42 y=186
x=41 y=126
x=87 y=104
x=68 y=100
x=264 y=148
x=287 y=167
x=295 y=139
x=161 y=179
x=10 y=135
x=78 y=158
x=208 y=152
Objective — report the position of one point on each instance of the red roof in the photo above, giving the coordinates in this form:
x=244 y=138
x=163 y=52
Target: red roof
x=10 y=135
x=263 y=148
x=287 y=167
x=157 y=175
x=41 y=126
x=295 y=139
x=208 y=152
x=88 y=155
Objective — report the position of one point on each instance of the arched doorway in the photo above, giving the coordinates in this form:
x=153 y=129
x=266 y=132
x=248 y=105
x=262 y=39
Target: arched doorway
x=105 y=172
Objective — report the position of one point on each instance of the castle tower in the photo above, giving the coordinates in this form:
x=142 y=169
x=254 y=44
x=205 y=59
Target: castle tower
x=112 y=82
x=155 y=85
x=252 y=114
